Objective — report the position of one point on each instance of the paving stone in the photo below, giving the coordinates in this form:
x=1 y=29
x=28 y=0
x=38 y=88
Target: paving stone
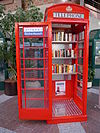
x=4 y=130
x=9 y=119
x=4 y=98
x=74 y=127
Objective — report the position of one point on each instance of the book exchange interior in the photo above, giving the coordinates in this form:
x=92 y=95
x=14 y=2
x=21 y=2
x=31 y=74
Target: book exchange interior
x=67 y=69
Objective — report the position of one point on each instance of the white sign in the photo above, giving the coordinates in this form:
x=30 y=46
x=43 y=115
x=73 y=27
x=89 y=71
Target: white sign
x=33 y=31
x=68 y=15
x=60 y=88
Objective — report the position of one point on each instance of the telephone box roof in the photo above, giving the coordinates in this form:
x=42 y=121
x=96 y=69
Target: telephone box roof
x=68 y=8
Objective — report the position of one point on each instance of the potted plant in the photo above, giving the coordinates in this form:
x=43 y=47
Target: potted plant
x=91 y=74
x=8 y=49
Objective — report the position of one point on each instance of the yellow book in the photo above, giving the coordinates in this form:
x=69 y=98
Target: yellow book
x=67 y=68
x=57 y=68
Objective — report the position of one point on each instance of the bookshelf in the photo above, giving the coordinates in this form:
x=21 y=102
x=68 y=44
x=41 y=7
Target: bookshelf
x=63 y=52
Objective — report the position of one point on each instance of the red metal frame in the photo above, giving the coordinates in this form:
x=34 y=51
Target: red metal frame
x=76 y=96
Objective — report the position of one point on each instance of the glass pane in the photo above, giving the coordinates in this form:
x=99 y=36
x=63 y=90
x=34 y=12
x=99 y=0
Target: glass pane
x=33 y=53
x=34 y=64
x=35 y=104
x=97 y=48
x=34 y=84
x=35 y=94
x=32 y=74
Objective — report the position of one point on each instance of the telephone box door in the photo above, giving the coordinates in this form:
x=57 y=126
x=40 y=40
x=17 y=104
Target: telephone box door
x=32 y=57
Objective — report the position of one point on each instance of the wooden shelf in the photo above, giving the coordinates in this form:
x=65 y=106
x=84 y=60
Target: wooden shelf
x=63 y=58
x=64 y=73
x=63 y=42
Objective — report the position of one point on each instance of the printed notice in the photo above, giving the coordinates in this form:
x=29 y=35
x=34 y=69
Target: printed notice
x=60 y=88
x=33 y=31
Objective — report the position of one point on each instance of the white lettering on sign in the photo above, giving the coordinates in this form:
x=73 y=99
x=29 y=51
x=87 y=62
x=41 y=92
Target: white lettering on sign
x=33 y=31
x=68 y=15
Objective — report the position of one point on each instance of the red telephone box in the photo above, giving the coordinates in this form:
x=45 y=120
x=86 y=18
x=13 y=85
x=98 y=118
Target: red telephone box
x=52 y=65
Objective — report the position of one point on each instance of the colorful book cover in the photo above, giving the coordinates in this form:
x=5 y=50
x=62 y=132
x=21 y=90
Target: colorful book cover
x=74 y=68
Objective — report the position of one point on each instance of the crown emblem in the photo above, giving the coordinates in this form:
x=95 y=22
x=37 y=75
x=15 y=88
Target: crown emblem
x=68 y=8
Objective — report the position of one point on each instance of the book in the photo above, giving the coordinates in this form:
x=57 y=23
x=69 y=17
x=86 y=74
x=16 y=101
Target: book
x=67 y=69
x=67 y=53
x=74 y=37
x=64 y=68
x=62 y=36
x=59 y=36
x=70 y=68
x=58 y=53
x=74 y=68
x=70 y=36
x=60 y=69
x=56 y=36
x=66 y=37
x=72 y=53
x=57 y=68
x=55 y=53
x=63 y=52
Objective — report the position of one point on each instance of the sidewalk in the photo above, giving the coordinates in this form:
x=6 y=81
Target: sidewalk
x=9 y=122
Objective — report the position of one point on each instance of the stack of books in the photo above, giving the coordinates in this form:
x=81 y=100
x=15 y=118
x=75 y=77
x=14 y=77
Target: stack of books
x=63 y=36
x=63 y=68
x=63 y=53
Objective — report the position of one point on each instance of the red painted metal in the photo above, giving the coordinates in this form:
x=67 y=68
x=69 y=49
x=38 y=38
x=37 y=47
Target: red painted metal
x=46 y=104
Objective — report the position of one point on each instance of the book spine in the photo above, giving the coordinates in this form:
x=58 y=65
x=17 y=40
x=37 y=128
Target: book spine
x=62 y=36
x=72 y=53
x=52 y=36
x=58 y=55
x=74 y=68
x=66 y=37
x=74 y=37
x=64 y=68
x=63 y=52
x=55 y=53
x=70 y=37
x=60 y=52
x=68 y=53
x=56 y=36
x=67 y=68
x=57 y=68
